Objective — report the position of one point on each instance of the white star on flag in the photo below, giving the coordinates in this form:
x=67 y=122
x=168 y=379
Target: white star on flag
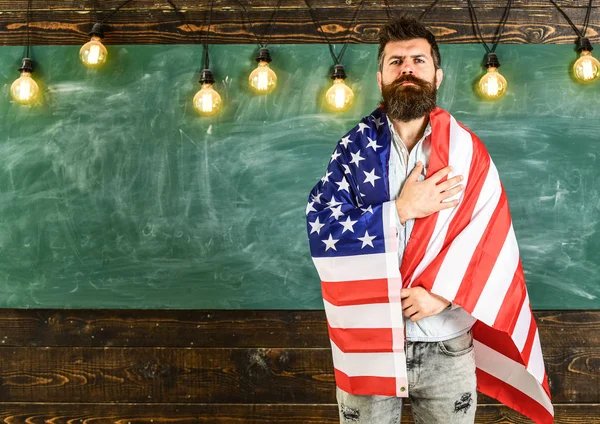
x=317 y=197
x=333 y=202
x=369 y=209
x=335 y=155
x=348 y=224
x=337 y=212
x=316 y=226
x=371 y=177
x=361 y=127
x=366 y=240
x=330 y=243
x=310 y=207
x=346 y=169
x=345 y=141
x=343 y=185
x=377 y=121
x=356 y=158
x=325 y=179
x=373 y=144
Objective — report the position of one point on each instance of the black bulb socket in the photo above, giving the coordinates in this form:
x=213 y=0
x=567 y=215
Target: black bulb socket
x=338 y=72
x=97 y=30
x=263 y=55
x=26 y=65
x=491 y=61
x=584 y=44
x=206 y=77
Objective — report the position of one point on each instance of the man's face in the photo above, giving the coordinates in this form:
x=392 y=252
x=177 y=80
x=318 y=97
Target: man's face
x=408 y=80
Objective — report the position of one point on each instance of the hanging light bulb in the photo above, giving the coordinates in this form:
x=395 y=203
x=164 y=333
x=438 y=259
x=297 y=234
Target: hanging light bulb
x=339 y=97
x=207 y=101
x=587 y=68
x=25 y=90
x=93 y=54
x=492 y=85
x=263 y=80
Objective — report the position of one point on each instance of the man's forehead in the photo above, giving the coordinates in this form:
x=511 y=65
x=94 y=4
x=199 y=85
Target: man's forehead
x=415 y=46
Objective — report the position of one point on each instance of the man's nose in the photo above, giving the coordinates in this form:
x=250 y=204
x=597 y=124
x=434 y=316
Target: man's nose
x=407 y=70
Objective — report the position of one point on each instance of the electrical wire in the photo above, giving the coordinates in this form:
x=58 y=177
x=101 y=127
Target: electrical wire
x=499 y=29
x=336 y=58
x=267 y=35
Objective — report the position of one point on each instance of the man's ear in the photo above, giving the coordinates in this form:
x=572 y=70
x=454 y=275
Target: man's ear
x=439 y=75
x=379 y=80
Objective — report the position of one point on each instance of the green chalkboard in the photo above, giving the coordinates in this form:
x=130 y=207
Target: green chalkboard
x=114 y=194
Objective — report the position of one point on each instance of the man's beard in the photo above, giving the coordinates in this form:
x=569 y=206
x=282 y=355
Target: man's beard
x=405 y=103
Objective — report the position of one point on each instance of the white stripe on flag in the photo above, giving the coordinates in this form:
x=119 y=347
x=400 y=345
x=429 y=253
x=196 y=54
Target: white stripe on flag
x=536 y=360
x=499 y=281
x=366 y=364
x=459 y=157
x=351 y=268
x=521 y=330
x=373 y=315
x=458 y=257
x=511 y=372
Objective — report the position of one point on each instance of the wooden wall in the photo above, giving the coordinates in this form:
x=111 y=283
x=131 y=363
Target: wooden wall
x=151 y=21
x=145 y=366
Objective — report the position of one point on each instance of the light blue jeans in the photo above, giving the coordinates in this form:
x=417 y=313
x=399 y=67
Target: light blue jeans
x=442 y=387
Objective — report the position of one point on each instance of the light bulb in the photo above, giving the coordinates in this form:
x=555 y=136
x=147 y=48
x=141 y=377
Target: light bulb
x=339 y=97
x=25 y=90
x=207 y=101
x=263 y=80
x=93 y=54
x=492 y=85
x=587 y=68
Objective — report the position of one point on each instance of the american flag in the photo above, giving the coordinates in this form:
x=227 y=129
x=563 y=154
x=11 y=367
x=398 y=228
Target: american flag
x=467 y=254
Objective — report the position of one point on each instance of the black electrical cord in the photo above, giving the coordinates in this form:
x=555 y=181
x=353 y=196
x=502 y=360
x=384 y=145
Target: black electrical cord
x=206 y=56
x=115 y=11
x=499 y=30
x=262 y=43
x=27 y=19
x=426 y=11
x=580 y=34
x=336 y=58
x=421 y=18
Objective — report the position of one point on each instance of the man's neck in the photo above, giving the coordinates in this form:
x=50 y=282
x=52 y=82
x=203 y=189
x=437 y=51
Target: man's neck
x=412 y=131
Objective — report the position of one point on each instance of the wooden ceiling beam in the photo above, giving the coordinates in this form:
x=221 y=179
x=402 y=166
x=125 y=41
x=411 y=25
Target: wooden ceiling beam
x=154 y=22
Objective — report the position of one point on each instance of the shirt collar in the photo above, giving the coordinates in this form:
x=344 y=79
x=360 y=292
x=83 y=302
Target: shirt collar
x=395 y=134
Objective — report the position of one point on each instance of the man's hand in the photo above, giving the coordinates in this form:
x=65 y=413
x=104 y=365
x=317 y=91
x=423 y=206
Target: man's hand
x=419 y=199
x=418 y=303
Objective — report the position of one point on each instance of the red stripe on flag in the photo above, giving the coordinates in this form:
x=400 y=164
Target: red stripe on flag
x=358 y=292
x=485 y=256
x=478 y=171
x=512 y=397
x=384 y=386
x=423 y=228
x=366 y=340
x=512 y=303
x=530 y=338
x=497 y=340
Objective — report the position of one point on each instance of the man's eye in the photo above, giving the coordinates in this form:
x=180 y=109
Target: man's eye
x=394 y=62
x=419 y=61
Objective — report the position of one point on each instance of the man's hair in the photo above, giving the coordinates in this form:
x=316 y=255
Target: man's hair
x=406 y=28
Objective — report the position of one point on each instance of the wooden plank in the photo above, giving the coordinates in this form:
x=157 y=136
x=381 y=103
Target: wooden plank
x=226 y=328
x=98 y=413
x=83 y=374
x=104 y=5
x=542 y=24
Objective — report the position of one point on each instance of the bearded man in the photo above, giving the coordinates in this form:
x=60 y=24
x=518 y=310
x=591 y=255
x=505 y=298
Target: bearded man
x=412 y=238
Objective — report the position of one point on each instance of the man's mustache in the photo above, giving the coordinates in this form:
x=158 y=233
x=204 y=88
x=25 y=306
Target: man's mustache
x=409 y=78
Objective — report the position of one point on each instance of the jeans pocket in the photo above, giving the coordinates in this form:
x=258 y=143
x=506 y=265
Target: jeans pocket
x=457 y=346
